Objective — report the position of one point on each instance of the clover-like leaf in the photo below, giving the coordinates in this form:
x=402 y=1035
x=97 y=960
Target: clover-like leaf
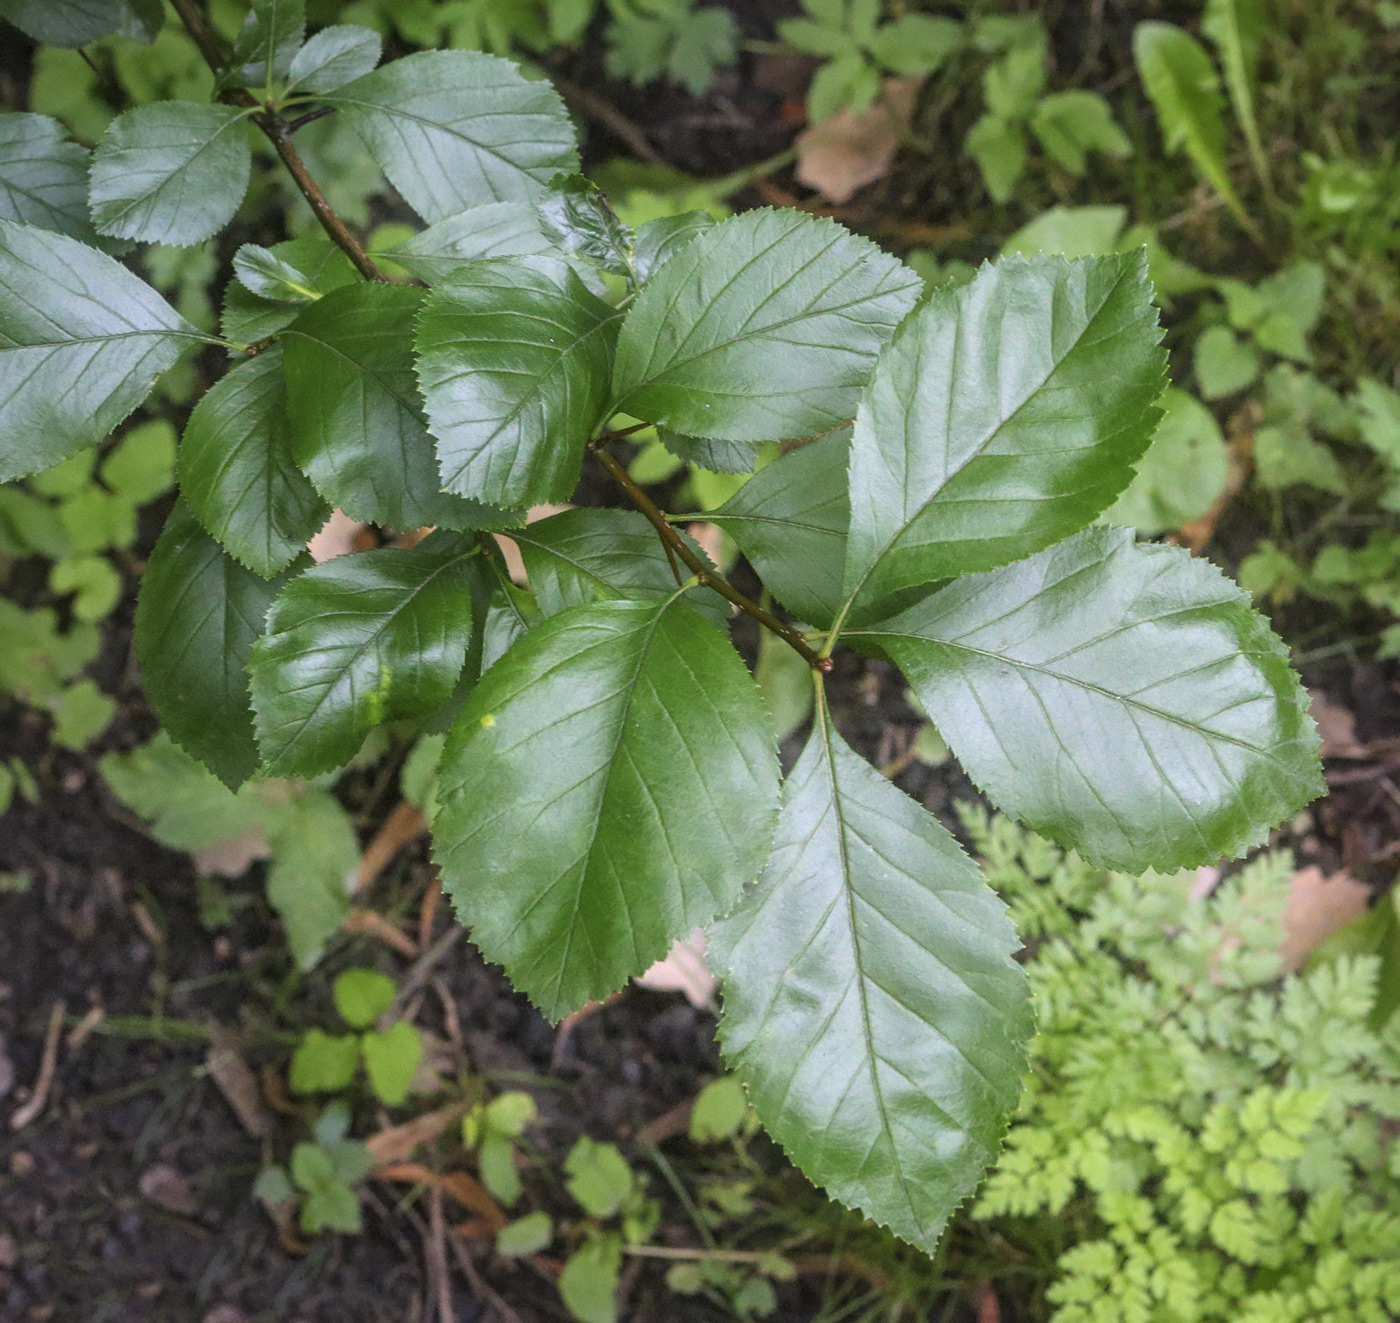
x=236 y=470
x=196 y=618
x=43 y=176
x=356 y=417
x=172 y=172
x=871 y=1002
x=610 y=785
x=1006 y=415
x=760 y=328
x=82 y=341
x=455 y=129
x=357 y=641
x=1124 y=700
x=514 y=360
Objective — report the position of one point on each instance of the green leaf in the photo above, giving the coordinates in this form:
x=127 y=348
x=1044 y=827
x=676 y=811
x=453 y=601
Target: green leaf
x=96 y=586
x=499 y=229
x=763 y=327
x=1072 y=124
x=588 y=1284
x=454 y=129
x=1123 y=700
x=196 y=618
x=68 y=23
x=1237 y=28
x=315 y=862
x=720 y=1109
x=525 y=1236
x=1069 y=232
x=871 y=1002
x=598 y=1177
x=43 y=176
x=791 y=521
x=785 y=681
x=511 y=1113
x=319 y=266
x=141 y=466
x=1285 y=455
x=1183 y=472
x=332 y=1207
x=917 y=43
x=1030 y=394
x=999 y=147
x=1185 y=92
x=391 y=1060
x=495 y=1163
x=577 y=219
x=333 y=57
x=583 y=556
x=662 y=238
x=270 y=37
x=96 y=520
x=598 y=798
x=184 y=802
x=173 y=172
x=236 y=471
x=1224 y=363
x=80 y=714
x=707 y=453
x=356 y=418
x=514 y=358
x=354 y=642
x=260 y=271
x=324 y=1063
x=82 y=342
x=311 y=1167
x=362 y=996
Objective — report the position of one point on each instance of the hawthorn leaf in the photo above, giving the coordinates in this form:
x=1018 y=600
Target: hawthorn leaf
x=43 y=176
x=333 y=57
x=357 y=641
x=356 y=418
x=82 y=341
x=790 y=520
x=237 y=475
x=513 y=359
x=270 y=37
x=578 y=220
x=285 y=272
x=659 y=239
x=499 y=229
x=454 y=129
x=710 y=454
x=197 y=615
x=1123 y=700
x=610 y=786
x=262 y=272
x=871 y=1002
x=1006 y=415
x=172 y=172
x=69 y=23
x=589 y=555
x=763 y=327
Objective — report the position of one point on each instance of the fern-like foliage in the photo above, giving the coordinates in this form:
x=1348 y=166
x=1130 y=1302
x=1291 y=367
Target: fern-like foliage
x=1213 y=1137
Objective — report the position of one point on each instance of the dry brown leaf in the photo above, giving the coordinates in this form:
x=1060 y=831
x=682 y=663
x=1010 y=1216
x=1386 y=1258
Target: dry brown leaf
x=1317 y=907
x=232 y=858
x=403 y=826
x=684 y=970
x=338 y=536
x=168 y=1189
x=395 y=1143
x=460 y=1185
x=370 y=924
x=234 y=1078
x=1336 y=725
x=843 y=154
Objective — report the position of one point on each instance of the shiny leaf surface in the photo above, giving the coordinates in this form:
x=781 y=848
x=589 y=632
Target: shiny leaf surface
x=333 y=57
x=43 y=176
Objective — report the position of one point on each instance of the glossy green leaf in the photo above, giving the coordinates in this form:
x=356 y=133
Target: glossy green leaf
x=1007 y=414
x=791 y=521
x=1237 y=28
x=871 y=1002
x=356 y=418
x=610 y=785
x=310 y=263
x=43 y=176
x=499 y=229
x=354 y=642
x=659 y=239
x=763 y=327
x=333 y=57
x=514 y=360
x=262 y=272
x=196 y=618
x=391 y=1060
x=1123 y=700
x=270 y=37
x=583 y=556
x=455 y=129
x=1185 y=92
x=711 y=454
x=172 y=172
x=236 y=470
x=82 y=341
x=578 y=220
x=68 y=23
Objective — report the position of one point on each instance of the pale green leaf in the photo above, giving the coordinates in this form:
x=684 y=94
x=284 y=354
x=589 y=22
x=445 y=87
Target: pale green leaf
x=1123 y=700
x=1224 y=363
x=610 y=786
x=324 y=1063
x=391 y=1060
x=525 y=1236
x=82 y=341
x=43 y=176
x=141 y=466
x=1069 y=232
x=588 y=1284
x=172 y=172
x=763 y=327
x=1007 y=414
x=315 y=862
x=1183 y=472
x=455 y=129
x=333 y=57
x=871 y=1002
x=362 y=996
x=1237 y=28
x=271 y=35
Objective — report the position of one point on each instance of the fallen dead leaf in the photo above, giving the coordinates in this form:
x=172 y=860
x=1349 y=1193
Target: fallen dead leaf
x=841 y=155
x=376 y=925
x=234 y=1078
x=1318 y=906
x=469 y=1192
x=339 y=535
x=168 y=1189
x=684 y=970
x=1336 y=725
x=403 y=826
x=232 y=858
x=396 y=1142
